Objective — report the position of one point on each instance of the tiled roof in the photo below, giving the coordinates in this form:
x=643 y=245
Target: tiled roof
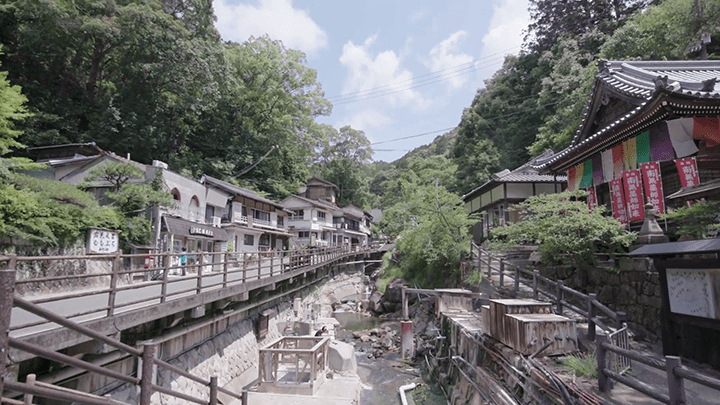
x=530 y=178
x=644 y=82
x=233 y=189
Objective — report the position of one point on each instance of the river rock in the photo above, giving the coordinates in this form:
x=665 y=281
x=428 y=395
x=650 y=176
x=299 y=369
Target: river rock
x=341 y=357
x=393 y=291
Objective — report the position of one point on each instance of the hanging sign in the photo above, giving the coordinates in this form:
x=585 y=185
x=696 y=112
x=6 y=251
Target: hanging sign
x=653 y=186
x=633 y=195
x=687 y=169
x=618 y=200
x=592 y=199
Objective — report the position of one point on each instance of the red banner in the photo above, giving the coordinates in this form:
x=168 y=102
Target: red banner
x=618 y=200
x=633 y=195
x=592 y=199
x=653 y=186
x=687 y=169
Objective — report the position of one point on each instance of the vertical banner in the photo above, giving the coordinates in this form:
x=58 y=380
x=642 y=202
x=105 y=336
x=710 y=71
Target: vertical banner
x=642 y=144
x=607 y=165
x=653 y=186
x=633 y=195
x=687 y=169
x=572 y=186
x=630 y=156
x=587 y=177
x=661 y=148
x=592 y=199
x=618 y=200
x=597 y=166
x=617 y=157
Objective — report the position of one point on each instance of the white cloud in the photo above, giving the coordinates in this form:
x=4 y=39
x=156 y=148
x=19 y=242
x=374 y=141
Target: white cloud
x=505 y=34
x=445 y=58
x=378 y=78
x=277 y=18
x=368 y=119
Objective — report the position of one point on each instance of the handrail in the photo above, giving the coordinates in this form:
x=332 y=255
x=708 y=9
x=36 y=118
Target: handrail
x=254 y=265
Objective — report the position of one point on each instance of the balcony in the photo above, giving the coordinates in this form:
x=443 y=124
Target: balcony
x=239 y=218
x=261 y=222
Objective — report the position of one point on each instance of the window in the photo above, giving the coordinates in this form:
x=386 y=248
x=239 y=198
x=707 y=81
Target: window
x=264 y=240
x=249 y=240
x=298 y=214
x=321 y=214
x=304 y=234
x=209 y=213
x=280 y=220
x=262 y=215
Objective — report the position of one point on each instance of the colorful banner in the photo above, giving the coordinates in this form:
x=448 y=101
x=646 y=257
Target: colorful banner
x=630 y=154
x=597 y=174
x=607 y=165
x=642 y=142
x=633 y=195
x=592 y=199
x=618 y=200
x=617 y=157
x=572 y=177
x=707 y=128
x=681 y=135
x=687 y=169
x=587 y=176
x=653 y=186
x=660 y=144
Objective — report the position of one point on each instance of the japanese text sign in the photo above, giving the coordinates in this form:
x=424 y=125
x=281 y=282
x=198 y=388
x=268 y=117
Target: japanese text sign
x=653 y=186
x=618 y=200
x=633 y=195
x=102 y=241
x=591 y=199
x=687 y=169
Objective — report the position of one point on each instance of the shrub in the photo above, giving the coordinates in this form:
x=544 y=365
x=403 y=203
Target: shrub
x=582 y=365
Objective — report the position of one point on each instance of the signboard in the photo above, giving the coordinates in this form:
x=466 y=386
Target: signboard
x=687 y=169
x=618 y=200
x=690 y=292
x=199 y=230
x=633 y=195
x=102 y=241
x=653 y=186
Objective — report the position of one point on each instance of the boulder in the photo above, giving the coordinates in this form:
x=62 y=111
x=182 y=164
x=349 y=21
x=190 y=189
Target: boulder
x=341 y=357
x=393 y=291
x=375 y=301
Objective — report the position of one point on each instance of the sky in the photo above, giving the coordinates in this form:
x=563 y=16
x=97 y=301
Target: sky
x=392 y=68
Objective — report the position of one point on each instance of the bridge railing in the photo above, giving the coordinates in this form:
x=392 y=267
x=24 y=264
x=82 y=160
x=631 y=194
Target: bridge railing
x=124 y=282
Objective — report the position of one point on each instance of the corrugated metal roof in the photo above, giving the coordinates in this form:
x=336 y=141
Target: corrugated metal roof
x=678 y=248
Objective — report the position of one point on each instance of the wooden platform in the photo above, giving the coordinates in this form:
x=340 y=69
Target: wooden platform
x=501 y=307
x=527 y=333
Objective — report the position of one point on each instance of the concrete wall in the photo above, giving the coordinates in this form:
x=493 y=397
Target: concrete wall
x=635 y=289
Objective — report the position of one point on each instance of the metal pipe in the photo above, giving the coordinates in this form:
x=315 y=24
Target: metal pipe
x=402 y=390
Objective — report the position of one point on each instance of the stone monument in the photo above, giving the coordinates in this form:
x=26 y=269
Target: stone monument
x=651 y=231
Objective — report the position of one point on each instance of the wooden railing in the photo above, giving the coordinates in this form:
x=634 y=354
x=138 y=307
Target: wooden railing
x=611 y=365
x=304 y=357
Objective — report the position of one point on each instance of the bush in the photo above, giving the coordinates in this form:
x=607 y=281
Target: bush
x=389 y=271
x=563 y=228
x=474 y=278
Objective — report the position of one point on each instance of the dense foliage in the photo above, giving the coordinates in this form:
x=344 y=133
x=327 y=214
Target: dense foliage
x=562 y=227
x=698 y=221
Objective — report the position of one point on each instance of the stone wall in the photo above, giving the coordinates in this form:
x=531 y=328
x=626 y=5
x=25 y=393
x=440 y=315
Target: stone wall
x=208 y=352
x=634 y=289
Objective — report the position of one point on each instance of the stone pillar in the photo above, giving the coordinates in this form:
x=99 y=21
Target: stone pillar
x=651 y=232
x=406 y=340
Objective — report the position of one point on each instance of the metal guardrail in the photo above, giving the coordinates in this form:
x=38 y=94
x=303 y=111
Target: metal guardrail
x=161 y=271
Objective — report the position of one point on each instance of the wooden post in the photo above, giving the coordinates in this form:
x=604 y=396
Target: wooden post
x=244 y=397
x=272 y=254
x=559 y=297
x=502 y=273
x=7 y=292
x=676 y=384
x=244 y=267
x=225 y=269
x=146 y=380
x=213 y=390
x=166 y=274
x=535 y=284
x=517 y=278
x=621 y=318
x=479 y=262
x=113 y=284
x=198 y=289
x=591 y=315
x=489 y=270
x=29 y=380
x=604 y=383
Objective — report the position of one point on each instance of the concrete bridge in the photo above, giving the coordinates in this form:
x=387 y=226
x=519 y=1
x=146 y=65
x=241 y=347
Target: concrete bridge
x=136 y=298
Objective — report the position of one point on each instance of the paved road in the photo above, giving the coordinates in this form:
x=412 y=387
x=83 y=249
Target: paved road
x=150 y=295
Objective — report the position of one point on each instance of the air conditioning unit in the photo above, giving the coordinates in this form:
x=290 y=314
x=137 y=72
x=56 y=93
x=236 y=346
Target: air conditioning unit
x=158 y=163
x=216 y=221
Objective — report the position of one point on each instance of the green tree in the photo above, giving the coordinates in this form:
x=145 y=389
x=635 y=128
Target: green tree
x=698 y=221
x=12 y=110
x=563 y=229
x=435 y=238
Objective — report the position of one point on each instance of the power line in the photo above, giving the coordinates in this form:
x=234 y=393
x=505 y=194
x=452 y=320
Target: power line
x=420 y=83
x=450 y=72
x=490 y=118
x=438 y=72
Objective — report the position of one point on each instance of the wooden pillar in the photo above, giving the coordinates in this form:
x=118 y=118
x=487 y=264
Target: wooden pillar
x=213 y=390
x=116 y=264
x=559 y=297
x=166 y=272
x=146 y=379
x=7 y=292
x=676 y=384
x=604 y=383
x=591 y=315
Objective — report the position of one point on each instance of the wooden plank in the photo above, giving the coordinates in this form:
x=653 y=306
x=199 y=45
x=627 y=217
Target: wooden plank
x=500 y=307
x=527 y=333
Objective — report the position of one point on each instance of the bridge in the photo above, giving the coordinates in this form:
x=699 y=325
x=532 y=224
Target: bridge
x=54 y=306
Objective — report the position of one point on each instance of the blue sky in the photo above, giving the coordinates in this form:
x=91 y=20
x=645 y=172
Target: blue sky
x=393 y=69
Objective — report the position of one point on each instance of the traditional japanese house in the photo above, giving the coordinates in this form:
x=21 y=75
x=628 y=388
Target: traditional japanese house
x=495 y=199
x=650 y=134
